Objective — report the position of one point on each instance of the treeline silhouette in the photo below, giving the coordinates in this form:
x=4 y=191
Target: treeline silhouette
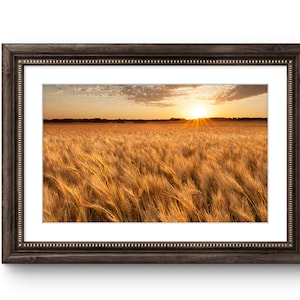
x=99 y=120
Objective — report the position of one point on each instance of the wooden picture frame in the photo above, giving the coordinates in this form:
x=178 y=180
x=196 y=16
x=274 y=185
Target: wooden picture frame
x=18 y=249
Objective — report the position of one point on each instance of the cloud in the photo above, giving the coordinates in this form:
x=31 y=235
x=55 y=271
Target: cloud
x=149 y=94
x=238 y=92
x=152 y=95
x=59 y=91
x=90 y=89
x=75 y=89
x=163 y=95
x=158 y=94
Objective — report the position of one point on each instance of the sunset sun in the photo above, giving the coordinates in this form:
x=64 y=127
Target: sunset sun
x=198 y=112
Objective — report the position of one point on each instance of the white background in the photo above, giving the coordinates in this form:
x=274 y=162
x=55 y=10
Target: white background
x=159 y=21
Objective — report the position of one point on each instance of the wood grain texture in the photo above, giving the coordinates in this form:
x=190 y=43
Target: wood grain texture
x=8 y=154
x=111 y=50
x=12 y=254
x=159 y=258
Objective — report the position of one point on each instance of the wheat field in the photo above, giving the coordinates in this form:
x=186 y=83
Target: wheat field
x=215 y=171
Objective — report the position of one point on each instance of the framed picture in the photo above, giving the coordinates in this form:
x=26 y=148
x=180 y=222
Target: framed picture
x=140 y=153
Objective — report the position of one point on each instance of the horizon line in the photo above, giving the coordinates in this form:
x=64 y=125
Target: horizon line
x=149 y=120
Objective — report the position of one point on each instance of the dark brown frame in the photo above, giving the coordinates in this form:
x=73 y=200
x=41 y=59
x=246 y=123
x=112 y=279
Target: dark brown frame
x=15 y=250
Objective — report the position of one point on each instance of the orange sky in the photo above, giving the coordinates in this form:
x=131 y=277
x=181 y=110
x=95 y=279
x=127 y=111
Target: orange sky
x=155 y=101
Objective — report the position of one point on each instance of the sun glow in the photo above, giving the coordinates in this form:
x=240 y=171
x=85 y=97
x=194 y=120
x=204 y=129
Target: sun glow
x=198 y=112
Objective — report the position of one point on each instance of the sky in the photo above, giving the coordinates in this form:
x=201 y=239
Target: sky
x=154 y=101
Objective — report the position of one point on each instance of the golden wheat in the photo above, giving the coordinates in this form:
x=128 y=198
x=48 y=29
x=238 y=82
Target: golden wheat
x=156 y=172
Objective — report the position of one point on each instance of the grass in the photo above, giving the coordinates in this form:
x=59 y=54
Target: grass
x=155 y=172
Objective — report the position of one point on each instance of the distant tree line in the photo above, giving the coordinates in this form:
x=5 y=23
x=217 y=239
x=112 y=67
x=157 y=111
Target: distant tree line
x=99 y=120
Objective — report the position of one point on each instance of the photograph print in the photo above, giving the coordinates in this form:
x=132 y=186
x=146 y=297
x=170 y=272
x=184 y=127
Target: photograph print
x=155 y=153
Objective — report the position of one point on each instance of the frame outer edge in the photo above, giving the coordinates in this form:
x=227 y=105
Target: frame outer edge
x=9 y=118
x=114 y=49
x=147 y=257
x=8 y=154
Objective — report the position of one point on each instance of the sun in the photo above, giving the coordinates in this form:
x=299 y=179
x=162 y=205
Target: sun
x=198 y=112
